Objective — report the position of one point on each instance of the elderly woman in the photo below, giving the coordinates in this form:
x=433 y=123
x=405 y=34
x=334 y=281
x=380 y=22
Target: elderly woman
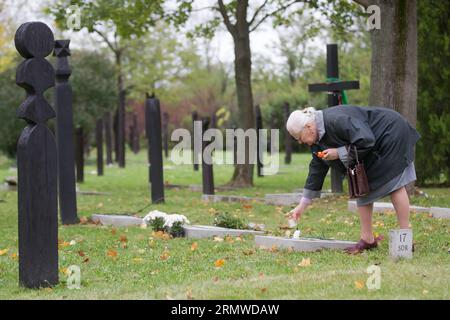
x=385 y=144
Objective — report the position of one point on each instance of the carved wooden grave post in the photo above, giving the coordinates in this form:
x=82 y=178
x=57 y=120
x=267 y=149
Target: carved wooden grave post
x=207 y=168
x=153 y=125
x=36 y=161
x=259 y=126
x=108 y=140
x=194 y=154
x=65 y=135
x=287 y=136
x=79 y=153
x=135 y=143
x=99 y=144
x=166 y=134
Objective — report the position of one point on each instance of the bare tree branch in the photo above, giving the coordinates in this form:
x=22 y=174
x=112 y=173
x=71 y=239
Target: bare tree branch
x=223 y=11
x=257 y=11
x=364 y=3
x=274 y=12
x=105 y=38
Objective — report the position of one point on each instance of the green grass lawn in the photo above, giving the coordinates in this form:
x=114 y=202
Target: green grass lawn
x=150 y=268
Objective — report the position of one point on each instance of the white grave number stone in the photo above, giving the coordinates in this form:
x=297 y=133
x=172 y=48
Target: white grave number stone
x=400 y=243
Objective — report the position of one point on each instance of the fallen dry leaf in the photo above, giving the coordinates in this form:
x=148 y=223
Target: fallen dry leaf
x=112 y=253
x=194 y=246
x=218 y=239
x=247 y=206
x=215 y=279
x=263 y=290
x=359 y=284
x=86 y=260
x=219 y=263
x=13 y=256
x=238 y=239
x=165 y=255
x=3 y=252
x=305 y=262
x=83 y=220
x=248 y=252
x=123 y=238
x=113 y=231
x=81 y=253
x=229 y=239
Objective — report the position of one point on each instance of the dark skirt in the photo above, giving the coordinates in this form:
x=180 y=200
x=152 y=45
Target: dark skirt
x=407 y=176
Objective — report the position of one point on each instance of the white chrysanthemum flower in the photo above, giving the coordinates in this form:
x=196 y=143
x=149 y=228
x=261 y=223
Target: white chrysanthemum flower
x=172 y=218
x=152 y=215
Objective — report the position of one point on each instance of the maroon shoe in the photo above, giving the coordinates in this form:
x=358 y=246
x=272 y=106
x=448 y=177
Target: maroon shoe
x=361 y=246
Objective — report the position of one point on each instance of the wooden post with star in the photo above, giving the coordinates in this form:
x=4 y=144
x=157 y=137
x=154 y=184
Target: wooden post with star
x=36 y=161
x=336 y=96
x=65 y=135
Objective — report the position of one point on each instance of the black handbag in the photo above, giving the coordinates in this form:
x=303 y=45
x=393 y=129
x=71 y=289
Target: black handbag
x=358 y=184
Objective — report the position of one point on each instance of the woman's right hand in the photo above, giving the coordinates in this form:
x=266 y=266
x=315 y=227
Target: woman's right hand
x=295 y=213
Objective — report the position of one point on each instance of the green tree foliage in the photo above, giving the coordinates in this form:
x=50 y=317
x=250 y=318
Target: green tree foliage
x=433 y=112
x=11 y=96
x=93 y=85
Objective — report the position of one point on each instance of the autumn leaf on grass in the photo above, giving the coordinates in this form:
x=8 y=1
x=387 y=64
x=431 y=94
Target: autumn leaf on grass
x=113 y=231
x=63 y=244
x=219 y=263
x=13 y=256
x=248 y=252
x=359 y=284
x=81 y=253
x=305 y=262
x=123 y=238
x=263 y=290
x=229 y=239
x=83 y=220
x=165 y=255
x=247 y=206
x=86 y=260
x=194 y=246
x=112 y=253
x=64 y=271
x=3 y=252
x=218 y=239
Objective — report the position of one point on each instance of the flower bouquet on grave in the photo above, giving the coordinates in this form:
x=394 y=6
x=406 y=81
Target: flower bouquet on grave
x=156 y=219
x=174 y=225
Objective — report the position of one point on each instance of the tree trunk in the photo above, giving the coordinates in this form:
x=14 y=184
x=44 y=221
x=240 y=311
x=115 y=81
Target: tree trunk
x=108 y=139
x=393 y=80
x=120 y=113
x=243 y=173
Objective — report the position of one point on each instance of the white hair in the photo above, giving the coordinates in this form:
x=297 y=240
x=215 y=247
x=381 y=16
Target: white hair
x=299 y=118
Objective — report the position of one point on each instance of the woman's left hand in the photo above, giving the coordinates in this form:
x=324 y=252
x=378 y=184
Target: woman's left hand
x=330 y=154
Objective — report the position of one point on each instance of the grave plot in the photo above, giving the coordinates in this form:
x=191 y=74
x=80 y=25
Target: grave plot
x=287 y=199
x=117 y=220
x=93 y=193
x=228 y=198
x=300 y=244
x=201 y=231
x=383 y=206
x=196 y=187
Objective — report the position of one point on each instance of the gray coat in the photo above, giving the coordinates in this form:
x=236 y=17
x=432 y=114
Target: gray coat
x=385 y=141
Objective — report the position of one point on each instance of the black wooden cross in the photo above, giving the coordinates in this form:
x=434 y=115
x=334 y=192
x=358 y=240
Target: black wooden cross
x=336 y=96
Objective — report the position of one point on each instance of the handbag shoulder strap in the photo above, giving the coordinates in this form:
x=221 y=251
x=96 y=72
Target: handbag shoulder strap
x=356 y=152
